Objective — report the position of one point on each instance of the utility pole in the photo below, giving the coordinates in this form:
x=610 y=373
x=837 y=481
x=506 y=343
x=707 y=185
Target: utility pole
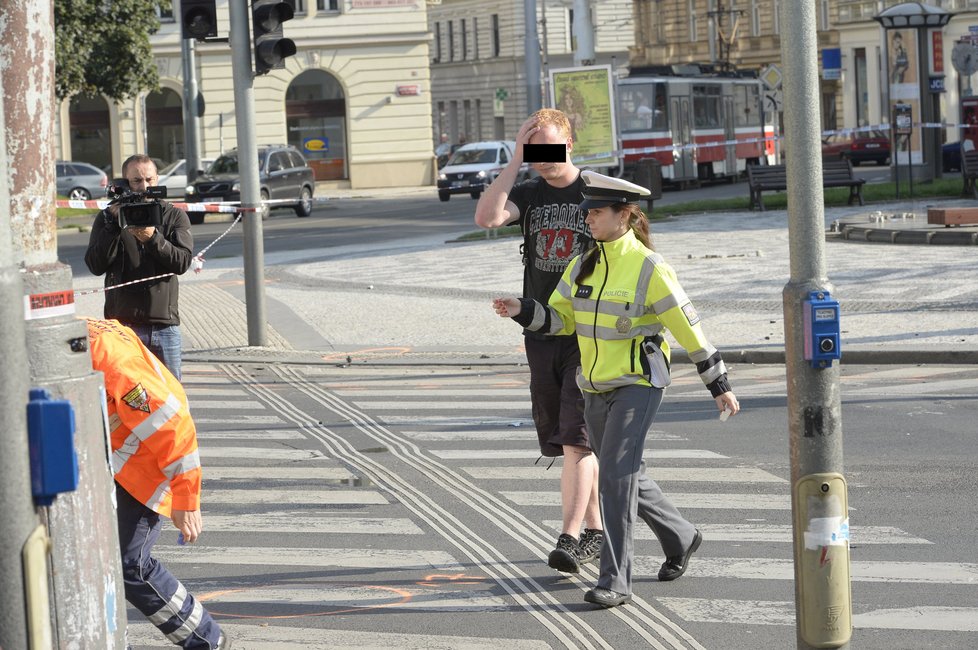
x=823 y=601
x=19 y=519
x=86 y=576
x=191 y=119
x=532 y=57
x=583 y=33
x=244 y=102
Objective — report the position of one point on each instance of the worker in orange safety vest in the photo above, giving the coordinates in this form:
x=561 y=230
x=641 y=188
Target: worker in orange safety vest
x=157 y=474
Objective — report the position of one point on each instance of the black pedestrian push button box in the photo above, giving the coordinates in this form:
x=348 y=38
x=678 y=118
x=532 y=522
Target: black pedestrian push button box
x=821 y=329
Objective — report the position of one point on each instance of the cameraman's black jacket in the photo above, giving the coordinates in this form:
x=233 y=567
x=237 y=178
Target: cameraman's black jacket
x=122 y=258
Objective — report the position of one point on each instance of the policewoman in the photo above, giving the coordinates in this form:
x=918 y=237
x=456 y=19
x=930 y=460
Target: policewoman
x=619 y=297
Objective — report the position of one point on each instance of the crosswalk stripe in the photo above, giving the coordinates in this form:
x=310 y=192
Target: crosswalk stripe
x=761 y=568
x=691 y=474
x=481 y=420
x=213 y=392
x=331 y=474
x=228 y=421
x=275 y=637
x=305 y=522
x=226 y=405
x=361 y=558
x=290 y=496
x=511 y=433
x=756 y=612
x=702 y=500
x=349 y=596
x=190 y=379
x=259 y=453
x=427 y=405
x=441 y=392
x=767 y=533
x=249 y=434
x=533 y=454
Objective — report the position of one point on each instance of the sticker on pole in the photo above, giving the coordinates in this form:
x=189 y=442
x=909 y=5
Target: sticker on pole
x=49 y=305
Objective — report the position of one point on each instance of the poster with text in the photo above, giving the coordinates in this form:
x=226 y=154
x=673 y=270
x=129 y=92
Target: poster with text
x=585 y=95
x=903 y=71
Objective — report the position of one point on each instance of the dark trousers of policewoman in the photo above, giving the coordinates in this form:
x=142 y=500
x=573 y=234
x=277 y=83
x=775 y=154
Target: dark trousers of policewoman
x=618 y=421
x=152 y=589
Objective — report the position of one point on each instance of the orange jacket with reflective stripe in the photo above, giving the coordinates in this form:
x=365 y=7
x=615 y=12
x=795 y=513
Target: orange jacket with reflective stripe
x=154 y=442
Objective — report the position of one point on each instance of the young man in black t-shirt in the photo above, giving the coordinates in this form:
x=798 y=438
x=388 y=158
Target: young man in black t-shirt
x=554 y=233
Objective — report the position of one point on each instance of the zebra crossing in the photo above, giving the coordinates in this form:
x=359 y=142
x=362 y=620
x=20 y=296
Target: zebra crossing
x=272 y=477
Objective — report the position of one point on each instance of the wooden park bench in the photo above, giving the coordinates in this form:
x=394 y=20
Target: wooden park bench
x=969 y=172
x=835 y=173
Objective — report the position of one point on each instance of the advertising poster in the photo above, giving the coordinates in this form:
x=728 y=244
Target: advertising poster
x=904 y=76
x=585 y=95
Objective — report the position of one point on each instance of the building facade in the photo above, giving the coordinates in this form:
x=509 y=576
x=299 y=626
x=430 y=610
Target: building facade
x=478 y=74
x=359 y=83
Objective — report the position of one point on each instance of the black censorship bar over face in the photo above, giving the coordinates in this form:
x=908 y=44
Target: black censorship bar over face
x=544 y=153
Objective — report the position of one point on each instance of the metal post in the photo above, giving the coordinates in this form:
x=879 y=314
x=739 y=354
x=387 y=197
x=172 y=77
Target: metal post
x=244 y=102
x=814 y=405
x=532 y=56
x=86 y=574
x=191 y=122
x=19 y=518
x=584 y=33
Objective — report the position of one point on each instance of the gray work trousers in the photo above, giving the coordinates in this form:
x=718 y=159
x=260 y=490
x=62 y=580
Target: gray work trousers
x=618 y=421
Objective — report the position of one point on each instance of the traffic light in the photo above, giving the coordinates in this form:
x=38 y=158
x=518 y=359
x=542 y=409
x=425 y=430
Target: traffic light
x=271 y=47
x=198 y=19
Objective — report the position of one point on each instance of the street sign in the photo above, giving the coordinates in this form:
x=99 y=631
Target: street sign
x=772 y=77
x=502 y=94
x=773 y=101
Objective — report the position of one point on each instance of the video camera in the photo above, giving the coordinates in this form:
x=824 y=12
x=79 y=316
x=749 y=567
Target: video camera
x=134 y=208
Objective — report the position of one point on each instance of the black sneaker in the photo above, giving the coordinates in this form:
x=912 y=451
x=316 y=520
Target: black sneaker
x=564 y=557
x=590 y=545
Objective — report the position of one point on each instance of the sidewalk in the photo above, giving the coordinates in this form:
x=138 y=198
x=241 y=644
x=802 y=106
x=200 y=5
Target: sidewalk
x=430 y=299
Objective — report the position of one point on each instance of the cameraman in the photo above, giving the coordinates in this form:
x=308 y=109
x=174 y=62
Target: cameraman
x=131 y=253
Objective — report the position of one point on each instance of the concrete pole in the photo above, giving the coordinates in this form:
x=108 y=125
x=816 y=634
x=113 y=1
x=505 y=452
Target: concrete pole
x=191 y=123
x=244 y=102
x=19 y=518
x=584 y=33
x=532 y=58
x=85 y=560
x=814 y=405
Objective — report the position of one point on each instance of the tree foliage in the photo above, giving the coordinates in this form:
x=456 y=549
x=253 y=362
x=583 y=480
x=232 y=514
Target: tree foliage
x=102 y=47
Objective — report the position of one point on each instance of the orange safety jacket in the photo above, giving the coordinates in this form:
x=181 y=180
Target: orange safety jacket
x=154 y=442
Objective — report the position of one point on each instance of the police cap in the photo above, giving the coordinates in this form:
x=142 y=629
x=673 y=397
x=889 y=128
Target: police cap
x=601 y=190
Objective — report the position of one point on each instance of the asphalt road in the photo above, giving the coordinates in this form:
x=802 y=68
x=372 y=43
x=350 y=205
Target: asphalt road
x=401 y=506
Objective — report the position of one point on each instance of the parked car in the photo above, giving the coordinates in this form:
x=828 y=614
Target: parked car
x=174 y=175
x=473 y=166
x=80 y=181
x=858 y=146
x=283 y=175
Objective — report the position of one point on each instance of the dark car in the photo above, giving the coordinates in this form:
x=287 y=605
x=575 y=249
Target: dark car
x=283 y=175
x=80 y=181
x=859 y=146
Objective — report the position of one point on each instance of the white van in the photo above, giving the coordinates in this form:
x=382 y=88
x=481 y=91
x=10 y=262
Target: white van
x=473 y=166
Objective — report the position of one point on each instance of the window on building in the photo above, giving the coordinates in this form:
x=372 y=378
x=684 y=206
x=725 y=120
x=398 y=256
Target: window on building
x=475 y=38
x=571 y=40
x=478 y=119
x=691 y=8
x=465 y=40
x=451 y=40
x=823 y=15
x=495 y=35
x=437 y=57
x=165 y=12
x=777 y=16
x=327 y=5
x=300 y=6
x=755 y=18
x=862 y=86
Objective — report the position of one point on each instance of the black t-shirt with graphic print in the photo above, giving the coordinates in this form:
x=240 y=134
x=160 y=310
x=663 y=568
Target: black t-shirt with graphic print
x=554 y=232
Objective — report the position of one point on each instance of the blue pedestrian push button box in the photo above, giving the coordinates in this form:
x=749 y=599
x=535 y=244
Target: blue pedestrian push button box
x=822 y=330
x=51 y=438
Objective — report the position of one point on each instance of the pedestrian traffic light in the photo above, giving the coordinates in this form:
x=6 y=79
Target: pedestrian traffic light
x=271 y=47
x=198 y=18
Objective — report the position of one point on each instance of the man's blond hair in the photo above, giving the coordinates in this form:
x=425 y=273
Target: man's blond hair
x=555 y=118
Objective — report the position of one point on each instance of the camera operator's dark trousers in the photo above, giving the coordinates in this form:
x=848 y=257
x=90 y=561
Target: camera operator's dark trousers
x=151 y=588
x=618 y=422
